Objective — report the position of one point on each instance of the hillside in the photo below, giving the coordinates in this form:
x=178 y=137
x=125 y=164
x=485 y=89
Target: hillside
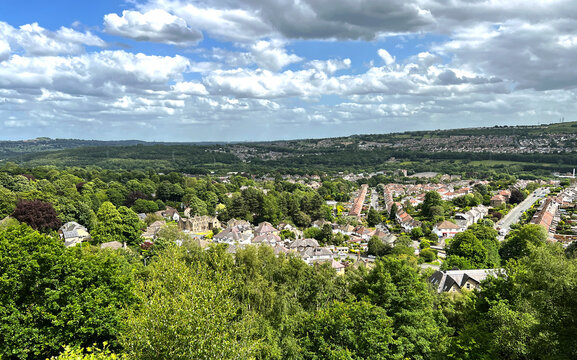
x=520 y=148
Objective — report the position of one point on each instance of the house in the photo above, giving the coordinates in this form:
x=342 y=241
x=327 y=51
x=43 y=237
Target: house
x=455 y=281
x=199 y=224
x=338 y=266
x=315 y=255
x=73 y=233
x=266 y=239
x=471 y=217
x=446 y=229
x=265 y=228
x=234 y=235
x=497 y=200
x=506 y=194
x=357 y=206
x=170 y=214
x=152 y=229
x=407 y=222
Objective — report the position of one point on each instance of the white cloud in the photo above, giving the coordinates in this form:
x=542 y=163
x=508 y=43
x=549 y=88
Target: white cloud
x=330 y=66
x=4 y=50
x=38 y=41
x=155 y=25
x=272 y=56
x=105 y=73
x=387 y=58
x=225 y=23
x=190 y=88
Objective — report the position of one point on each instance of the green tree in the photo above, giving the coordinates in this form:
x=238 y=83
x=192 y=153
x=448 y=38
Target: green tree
x=109 y=224
x=396 y=286
x=185 y=312
x=131 y=226
x=431 y=202
x=52 y=296
x=522 y=241
x=467 y=246
x=357 y=330
x=373 y=217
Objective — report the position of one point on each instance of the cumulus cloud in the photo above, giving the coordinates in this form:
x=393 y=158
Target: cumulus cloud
x=245 y=20
x=4 y=50
x=190 y=88
x=387 y=58
x=330 y=66
x=272 y=56
x=107 y=73
x=155 y=25
x=35 y=40
x=219 y=20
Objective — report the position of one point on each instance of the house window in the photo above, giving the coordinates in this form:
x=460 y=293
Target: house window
x=468 y=286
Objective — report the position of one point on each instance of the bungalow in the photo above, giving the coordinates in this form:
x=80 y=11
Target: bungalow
x=455 y=281
x=446 y=229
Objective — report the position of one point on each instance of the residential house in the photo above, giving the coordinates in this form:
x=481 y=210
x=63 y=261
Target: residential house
x=455 y=281
x=357 y=206
x=235 y=235
x=497 y=200
x=270 y=239
x=152 y=230
x=338 y=266
x=265 y=228
x=199 y=224
x=407 y=222
x=447 y=229
x=73 y=233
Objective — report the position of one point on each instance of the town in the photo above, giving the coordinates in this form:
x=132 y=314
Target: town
x=416 y=217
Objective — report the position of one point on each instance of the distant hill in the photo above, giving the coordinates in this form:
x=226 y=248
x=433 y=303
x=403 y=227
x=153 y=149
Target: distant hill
x=514 y=148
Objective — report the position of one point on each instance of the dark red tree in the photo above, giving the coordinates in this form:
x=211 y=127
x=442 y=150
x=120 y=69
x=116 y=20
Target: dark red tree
x=39 y=215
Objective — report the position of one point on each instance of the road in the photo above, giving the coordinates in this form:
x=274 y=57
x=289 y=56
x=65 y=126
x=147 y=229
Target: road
x=515 y=214
x=374 y=199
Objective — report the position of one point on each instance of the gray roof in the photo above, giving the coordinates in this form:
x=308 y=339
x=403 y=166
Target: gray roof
x=444 y=280
x=304 y=243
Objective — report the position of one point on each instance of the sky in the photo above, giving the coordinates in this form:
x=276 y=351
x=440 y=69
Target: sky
x=238 y=70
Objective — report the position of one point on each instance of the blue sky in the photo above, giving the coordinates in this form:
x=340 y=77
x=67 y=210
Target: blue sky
x=228 y=70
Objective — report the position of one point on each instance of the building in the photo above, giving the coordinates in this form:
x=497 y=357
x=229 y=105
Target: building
x=73 y=233
x=235 y=235
x=547 y=216
x=152 y=230
x=265 y=228
x=497 y=200
x=357 y=207
x=199 y=224
x=447 y=229
x=455 y=281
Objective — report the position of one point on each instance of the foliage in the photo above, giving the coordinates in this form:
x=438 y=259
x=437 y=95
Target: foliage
x=90 y=353
x=522 y=241
x=50 y=295
x=175 y=316
x=39 y=215
x=357 y=330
